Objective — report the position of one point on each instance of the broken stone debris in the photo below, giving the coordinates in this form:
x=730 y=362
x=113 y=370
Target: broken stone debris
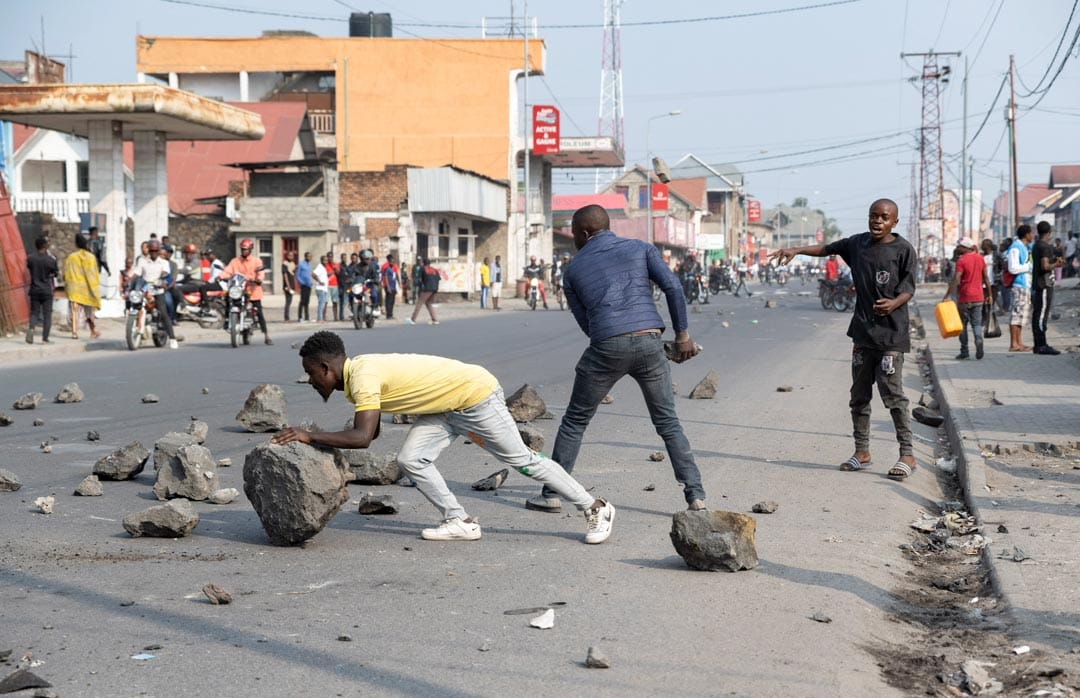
x=185 y=470
x=123 y=463
x=9 y=481
x=89 y=487
x=596 y=659
x=820 y=617
x=264 y=410
x=217 y=595
x=5 y=420
x=725 y=323
x=706 y=389
x=206 y=391
x=303 y=379
x=493 y=481
x=46 y=447
x=93 y=436
x=225 y=462
x=525 y=404
x=378 y=505
x=715 y=540
x=649 y=488
x=199 y=429
x=544 y=621
x=369 y=468
x=45 y=504
x=70 y=393
x=174 y=519
x=150 y=399
x=223 y=496
x=39 y=422
x=927 y=416
x=657 y=456
x=607 y=400
x=30 y=401
x=767 y=507
x=784 y=388
x=532 y=437
x=22 y=680
x=770 y=304
x=295 y=489
x=978 y=681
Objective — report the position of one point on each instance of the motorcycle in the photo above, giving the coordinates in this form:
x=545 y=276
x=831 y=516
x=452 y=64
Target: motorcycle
x=242 y=317
x=210 y=318
x=534 y=292
x=364 y=311
x=720 y=281
x=838 y=295
x=143 y=308
x=699 y=291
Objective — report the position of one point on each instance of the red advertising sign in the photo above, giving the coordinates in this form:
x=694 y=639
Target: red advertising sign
x=659 y=197
x=545 y=129
x=753 y=210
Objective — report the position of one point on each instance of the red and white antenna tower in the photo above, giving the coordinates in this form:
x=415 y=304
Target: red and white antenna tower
x=611 y=87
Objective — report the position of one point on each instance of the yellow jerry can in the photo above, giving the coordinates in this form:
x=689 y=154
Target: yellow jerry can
x=948 y=319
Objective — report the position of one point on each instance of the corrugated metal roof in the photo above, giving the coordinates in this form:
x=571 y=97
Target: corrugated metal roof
x=448 y=189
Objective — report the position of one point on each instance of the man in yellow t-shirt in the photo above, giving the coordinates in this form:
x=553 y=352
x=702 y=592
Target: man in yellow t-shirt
x=449 y=399
x=485 y=282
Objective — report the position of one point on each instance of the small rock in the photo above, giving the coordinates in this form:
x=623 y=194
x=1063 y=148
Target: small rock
x=607 y=400
x=206 y=391
x=367 y=467
x=70 y=393
x=784 y=388
x=46 y=447
x=485 y=646
x=303 y=379
x=544 y=621
x=649 y=488
x=264 y=410
x=820 y=617
x=378 y=505
x=199 y=429
x=225 y=462
x=150 y=398
x=715 y=540
x=767 y=507
x=525 y=404
x=770 y=304
x=9 y=482
x=344 y=638
x=30 y=401
x=492 y=482
x=217 y=595
x=89 y=487
x=1002 y=528
x=657 y=456
x=402 y=419
x=725 y=323
x=925 y=415
x=595 y=659
x=5 y=420
x=45 y=693
x=223 y=496
x=123 y=463
x=93 y=436
x=39 y=422
x=706 y=389
x=45 y=504
x=532 y=437
x=174 y=519
x=22 y=680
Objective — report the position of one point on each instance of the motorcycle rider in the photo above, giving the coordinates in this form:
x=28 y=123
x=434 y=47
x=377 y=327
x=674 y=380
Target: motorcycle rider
x=690 y=269
x=535 y=270
x=252 y=270
x=154 y=270
x=368 y=274
x=557 y=270
x=188 y=278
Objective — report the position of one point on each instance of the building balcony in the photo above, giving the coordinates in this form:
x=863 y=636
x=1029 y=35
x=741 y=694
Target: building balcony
x=322 y=121
x=63 y=206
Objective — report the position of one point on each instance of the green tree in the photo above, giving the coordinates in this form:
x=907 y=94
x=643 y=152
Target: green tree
x=799 y=202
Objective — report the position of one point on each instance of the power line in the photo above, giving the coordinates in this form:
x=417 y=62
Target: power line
x=989 y=111
x=1046 y=90
x=988 y=32
x=1050 y=64
x=562 y=110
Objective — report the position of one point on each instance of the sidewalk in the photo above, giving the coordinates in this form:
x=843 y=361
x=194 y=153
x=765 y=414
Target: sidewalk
x=15 y=348
x=1014 y=422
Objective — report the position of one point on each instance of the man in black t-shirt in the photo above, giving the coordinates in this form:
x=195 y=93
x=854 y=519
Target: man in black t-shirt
x=1043 y=263
x=883 y=268
x=43 y=273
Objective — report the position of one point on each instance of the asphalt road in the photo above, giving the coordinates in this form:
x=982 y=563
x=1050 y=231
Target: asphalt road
x=428 y=618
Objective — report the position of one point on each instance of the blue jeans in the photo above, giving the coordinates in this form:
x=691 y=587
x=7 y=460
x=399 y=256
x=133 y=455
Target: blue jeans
x=343 y=292
x=484 y=291
x=323 y=297
x=601 y=366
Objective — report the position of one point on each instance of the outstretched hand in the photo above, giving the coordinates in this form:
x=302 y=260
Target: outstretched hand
x=289 y=434
x=783 y=255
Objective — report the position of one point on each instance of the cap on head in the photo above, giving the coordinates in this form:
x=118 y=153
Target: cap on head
x=366 y=255
x=966 y=242
x=190 y=248
x=247 y=244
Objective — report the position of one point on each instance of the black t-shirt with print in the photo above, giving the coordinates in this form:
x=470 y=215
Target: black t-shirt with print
x=881 y=270
x=1042 y=249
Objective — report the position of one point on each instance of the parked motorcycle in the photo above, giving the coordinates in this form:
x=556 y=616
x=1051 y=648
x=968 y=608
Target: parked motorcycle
x=144 y=307
x=364 y=311
x=242 y=317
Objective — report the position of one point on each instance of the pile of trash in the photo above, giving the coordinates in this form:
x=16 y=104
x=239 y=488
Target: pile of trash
x=952 y=529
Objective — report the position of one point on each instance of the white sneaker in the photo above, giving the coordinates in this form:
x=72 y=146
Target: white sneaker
x=456 y=529
x=599 y=523
x=376 y=312
x=173 y=344
x=409 y=321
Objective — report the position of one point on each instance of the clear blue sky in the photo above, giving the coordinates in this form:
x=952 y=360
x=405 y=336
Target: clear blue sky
x=750 y=89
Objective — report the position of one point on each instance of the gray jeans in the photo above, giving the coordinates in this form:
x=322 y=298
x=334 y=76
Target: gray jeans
x=971 y=317
x=487 y=424
x=886 y=368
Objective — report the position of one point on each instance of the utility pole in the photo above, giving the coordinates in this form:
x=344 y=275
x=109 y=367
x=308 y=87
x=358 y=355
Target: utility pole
x=1014 y=210
x=527 y=120
x=964 y=181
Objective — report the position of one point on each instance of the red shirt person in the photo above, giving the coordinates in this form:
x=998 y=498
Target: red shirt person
x=972 y=286
x=832 y=268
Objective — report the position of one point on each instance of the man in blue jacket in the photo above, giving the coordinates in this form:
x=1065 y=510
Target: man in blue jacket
x=304 y=281
x=608 y=288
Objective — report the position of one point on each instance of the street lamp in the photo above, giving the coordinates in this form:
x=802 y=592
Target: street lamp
x=649 y=168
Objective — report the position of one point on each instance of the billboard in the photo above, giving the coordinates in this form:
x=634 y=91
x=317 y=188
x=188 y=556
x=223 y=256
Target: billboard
x=753 y=210
x=659 y=196
x=545 y=130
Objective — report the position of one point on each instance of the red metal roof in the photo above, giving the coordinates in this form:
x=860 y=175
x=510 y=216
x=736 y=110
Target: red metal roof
x=1064 y=176
x=1027 y=197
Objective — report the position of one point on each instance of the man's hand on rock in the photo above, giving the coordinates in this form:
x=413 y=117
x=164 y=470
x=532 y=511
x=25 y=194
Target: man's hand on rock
x=289 y=434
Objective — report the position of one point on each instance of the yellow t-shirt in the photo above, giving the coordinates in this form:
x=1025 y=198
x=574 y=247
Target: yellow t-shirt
x=415 y=383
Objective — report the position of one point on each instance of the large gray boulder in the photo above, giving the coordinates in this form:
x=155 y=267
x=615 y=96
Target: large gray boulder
x=30 y=401
x=123 y=463
x=70 y=393
x=715 y=540
x=264 y=410
x=174 y=519
x=9 y=481
x=525 y=404
x=295 y=489
x=89 y=487
x=706 y=389
x=191 y=474
x=166 y=448
x=368 y=468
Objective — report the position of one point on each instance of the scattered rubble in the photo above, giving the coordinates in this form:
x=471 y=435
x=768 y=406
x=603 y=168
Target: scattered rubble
x=532 y=437
x=190 y=473
x=9 y=481
x=295 y=489
x=30 y=401
x=820 y=617
x=978 y=681
x=217 y=595
x=368 y=468
x=5 y=420
x=39 y=422
x=46 y=447
x=525 y=404
x=223 y=496
x=544 y=621
x=174 y=519
x=264 y=410
x=657 y=456
x=225 y=462
x=379 y=505
x=70 y=393
x=89 y=487
x=199 y=429
x=596 y=659
x=150 y=399
x=706 y=389
x=22 y=680
x=770 y=304
x=206 y=391
x=93 y=436
x=45 y=504
x=123 y=463
x=767 y=507
x=715 y=540
x=493 y=481
x=784 y=388
x=649 y=488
